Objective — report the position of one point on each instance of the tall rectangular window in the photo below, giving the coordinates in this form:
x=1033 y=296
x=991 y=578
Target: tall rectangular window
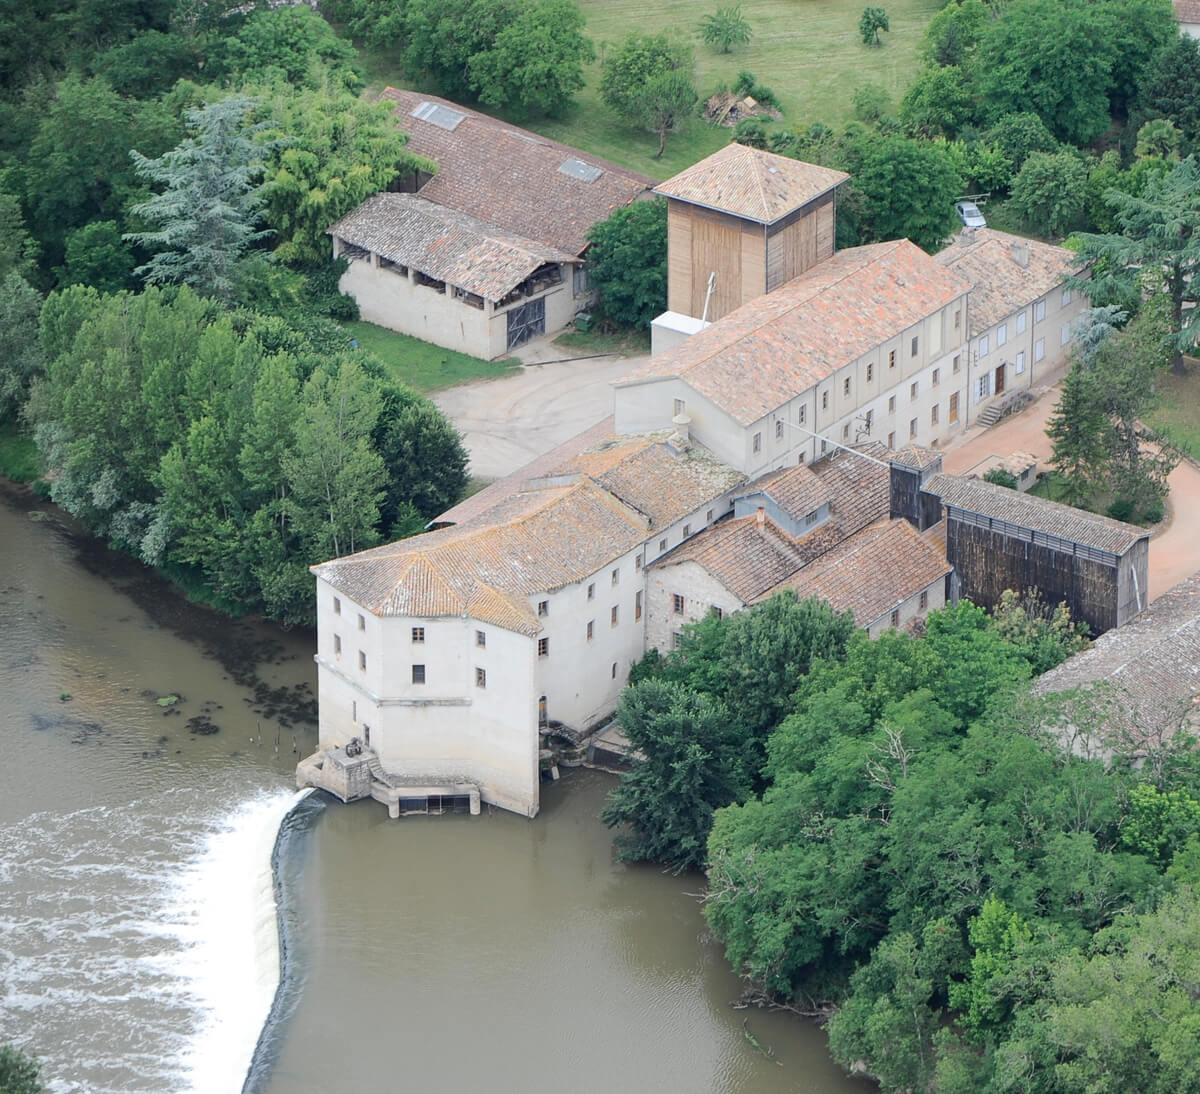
x=915 y=342
x=891 y=358
x=1039 y=311
x=637 y=605
x=1020 y=363
x=870 y=370
x=983 y=347
x=362 y=623
x=337 y=645
x=337 y=606
x=677 y=603
x=480 y=678
x=662 y=546
x=912 y=428
x=912 y=390
x=824 y=400
x=936 y=376
x=637 y=561
x=779 y=430
x=757 y=442
x=1065 y=337
x=801 y=413
x=1039 y=350
x=1066 y=297
x=614 y=615
x=957 y=363
x=933 y=415
x=1002 y=334
x=892 y=441
x=846 y=386
x=543 y=647
x=616 y=576
x=543 y=607
x=680 y=406
x=480 y=639
x=418 y=674
x=591 y=623
x=924 y=601
x=362 y=661
x=1021 y=323
x=591 y=591
x=891 y=404
x=957 y=318
x=687 y=531
x=953 y=414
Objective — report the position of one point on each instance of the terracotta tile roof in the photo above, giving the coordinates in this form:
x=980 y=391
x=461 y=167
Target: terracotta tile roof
x=1150 y=666
x=543 y=465
x=512 y=178
x=796 y=490
x=999 y=284
x=913 y=455
x=444 y=244
x=781 y=344
x=534 y=541
x=1035 y=514
x=859 y=489
x=744 y=556
x=872 y=571
x=936 y=534
x=751 y=183
x=1187 y=11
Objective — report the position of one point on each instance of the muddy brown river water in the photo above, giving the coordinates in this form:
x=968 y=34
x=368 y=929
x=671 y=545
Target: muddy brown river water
x=148 y=749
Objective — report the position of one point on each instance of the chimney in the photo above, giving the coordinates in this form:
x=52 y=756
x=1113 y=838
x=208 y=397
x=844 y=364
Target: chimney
x=1019 y=252
x=760 y=518
x=681 y=438
x=966 y=237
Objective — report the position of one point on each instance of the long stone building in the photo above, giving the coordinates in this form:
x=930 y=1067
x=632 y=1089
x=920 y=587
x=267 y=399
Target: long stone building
x=791 y=443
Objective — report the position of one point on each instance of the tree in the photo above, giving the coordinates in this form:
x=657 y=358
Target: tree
x=18 y=252
x=535 y=64
x=292 y=42
x=1042 y=633
x=20 y=351
x=1050 y=192
x=1078 y=430
x=19 y=1072
x=1017 y=135
x=325 y=152
x=1159 y=138
x=440 y=38
x=210 y=203
x=1159 y=240
x=648 y=81
x=1170 y=88
x=909 y=188
x=725 y=28
x=939 y=103
x=690 y=765
x=872 y=22
x=627 y=262
x=97 y=255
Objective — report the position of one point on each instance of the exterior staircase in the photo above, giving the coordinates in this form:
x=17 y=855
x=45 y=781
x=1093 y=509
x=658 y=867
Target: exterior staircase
x=1002 y=408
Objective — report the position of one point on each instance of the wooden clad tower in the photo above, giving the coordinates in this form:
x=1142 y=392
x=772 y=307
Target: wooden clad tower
x=753 y=218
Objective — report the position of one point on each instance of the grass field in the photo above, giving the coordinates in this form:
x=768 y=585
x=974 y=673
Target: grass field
x=807 y=51
x=423 y=365
x=1179 y=412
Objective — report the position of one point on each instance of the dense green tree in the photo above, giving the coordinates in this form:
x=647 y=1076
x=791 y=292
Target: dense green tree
x=97 y=255
x=627 y=263
x=210 y=202
x=150 y=63
x=872 y=22
x=689 y=765
x=1049 y=193
x=1042 y=633
x=1170 y=88
x=20 y=351
x=292 y=42
x=535 y=65
x=440 y=37
x=18 y=252
x=647 y=80
x=1158 y=138
x=1017 y=135
x=954 y=33
x=325 y=152
x=1159 y=236
x=938 y=103
x=909 y=188
x=725 y=28
x=19 y=1072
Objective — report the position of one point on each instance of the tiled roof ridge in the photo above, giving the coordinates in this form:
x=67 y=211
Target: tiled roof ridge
x=769 y=320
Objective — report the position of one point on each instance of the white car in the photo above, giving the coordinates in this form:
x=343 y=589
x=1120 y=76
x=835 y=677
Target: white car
x=968 y=212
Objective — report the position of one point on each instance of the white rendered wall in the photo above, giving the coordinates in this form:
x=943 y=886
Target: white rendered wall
x=911 y=609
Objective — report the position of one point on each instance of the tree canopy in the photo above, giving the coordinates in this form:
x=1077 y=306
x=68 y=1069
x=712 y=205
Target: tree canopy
x=627 y=263
x=647 y=79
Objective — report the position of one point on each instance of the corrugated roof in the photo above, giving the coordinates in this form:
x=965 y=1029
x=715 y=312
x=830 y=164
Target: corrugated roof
x=872 y=572
x=1151 y=665
x=445 y=244
x=1000 y=285
x=750 y=183
x=1036 y=514
x=510 y=177
x=781 y=344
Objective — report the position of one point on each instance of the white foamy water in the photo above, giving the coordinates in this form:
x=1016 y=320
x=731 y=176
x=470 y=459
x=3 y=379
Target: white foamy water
x=138 y=943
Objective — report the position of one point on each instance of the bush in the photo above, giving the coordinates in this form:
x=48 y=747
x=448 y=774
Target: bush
x=997 y=476
x=628 y=263
x=1121 y=509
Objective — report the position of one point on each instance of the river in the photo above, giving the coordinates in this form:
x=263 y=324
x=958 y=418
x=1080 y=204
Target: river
x=148 y=748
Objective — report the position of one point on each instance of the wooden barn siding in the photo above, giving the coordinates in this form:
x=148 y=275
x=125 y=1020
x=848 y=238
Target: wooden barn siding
x=905 y=498
x=989 y=562
x=1133 y=596
x=679 y=257
x=716 y=246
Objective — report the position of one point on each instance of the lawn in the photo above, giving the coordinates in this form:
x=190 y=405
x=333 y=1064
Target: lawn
x=423 y=365
x=807 y=51
x=622 y=343
x=1179 y=412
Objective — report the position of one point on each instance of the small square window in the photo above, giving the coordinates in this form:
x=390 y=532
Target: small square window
x=892 y=404
x=362 y=623
x=337 y=645
x=924 y=599
x=912 y=428
x=480 y=678
x=616 y=577
x=591 y=623
x=677 y=603
x=418 y=674
x=592 y=591
x=480 y=639
x=891 y=358
x=936 y=376
x=418 y=634
x=757 y=442
x=543 y=607
x=846 y=386
x=543 y=647
x=362 y=661
x=779 y=429
x=614 y=616
x=912 y=390
x=687 y=530
x=915 y=343
x=662 y=546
